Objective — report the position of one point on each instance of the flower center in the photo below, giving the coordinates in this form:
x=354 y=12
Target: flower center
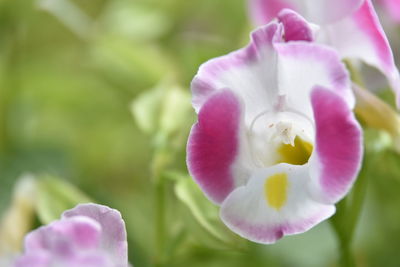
x=281 y=137
x=297 y=153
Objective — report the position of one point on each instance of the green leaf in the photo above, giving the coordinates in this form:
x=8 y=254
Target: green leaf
x=206 y=213
x=134 y=20
x=55 y=196
x=177 y=106
x=163 y=110
x=146 y=108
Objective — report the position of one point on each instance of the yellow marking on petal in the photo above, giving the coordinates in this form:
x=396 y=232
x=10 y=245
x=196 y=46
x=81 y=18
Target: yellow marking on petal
x=297 y=154
x=275 y=190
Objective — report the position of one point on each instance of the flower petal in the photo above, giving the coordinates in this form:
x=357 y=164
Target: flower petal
x=249 y=72
x=361 y=36
x=296 y=27
x=213 y=145
x=275 y=202
x=263 y=11
x=79 y=231
x=393 y=8
x=37 y=259
x=338 y=147
x=113 y=238
x=316 y=11
x=301 y=66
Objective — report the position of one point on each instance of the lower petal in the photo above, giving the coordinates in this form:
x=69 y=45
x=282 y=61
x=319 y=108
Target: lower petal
x=274 y=203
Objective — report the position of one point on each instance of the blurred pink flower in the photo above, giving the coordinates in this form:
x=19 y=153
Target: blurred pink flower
x=352 y=27
x=392 y=7
x=276 y=144
x=88 y=235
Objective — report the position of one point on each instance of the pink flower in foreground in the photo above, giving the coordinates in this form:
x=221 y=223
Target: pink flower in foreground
x=276 y=144
x=88 y=235
x=352 y=27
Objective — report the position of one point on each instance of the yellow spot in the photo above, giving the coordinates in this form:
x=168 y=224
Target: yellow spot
x=275 y=190
x=297 y=154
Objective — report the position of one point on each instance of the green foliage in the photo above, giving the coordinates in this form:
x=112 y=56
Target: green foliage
x=54 y=196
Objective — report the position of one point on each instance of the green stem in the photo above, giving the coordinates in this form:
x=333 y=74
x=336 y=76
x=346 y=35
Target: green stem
x=345 y=221
x=346 y=257
x=160 y=160
x=160 y=222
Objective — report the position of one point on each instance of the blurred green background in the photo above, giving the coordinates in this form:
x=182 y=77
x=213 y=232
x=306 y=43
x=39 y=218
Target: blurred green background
x=95 y=94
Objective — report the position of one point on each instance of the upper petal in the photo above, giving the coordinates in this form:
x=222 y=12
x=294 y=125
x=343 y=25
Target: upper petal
x=361 y=36
x=275 y=202
x=295 y=26
x=249 y=72
x=302 y=65
x=316 y=11
x=337 y=157
x=113 y=236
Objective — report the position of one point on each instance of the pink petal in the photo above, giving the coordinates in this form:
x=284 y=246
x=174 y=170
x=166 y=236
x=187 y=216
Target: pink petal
x=263 y=11
x=113 y=238
x=78 y=232
x=393 y=8
x=296 y=27
x=36 y=259
x=213 y=145
x=338 y=149
x=316 y=11
x=361 y=37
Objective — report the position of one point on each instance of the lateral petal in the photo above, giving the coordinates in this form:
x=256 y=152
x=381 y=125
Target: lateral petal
x=214 y=146
x=338 y=150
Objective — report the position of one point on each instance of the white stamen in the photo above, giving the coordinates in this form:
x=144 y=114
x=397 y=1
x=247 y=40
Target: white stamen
x=284 y=133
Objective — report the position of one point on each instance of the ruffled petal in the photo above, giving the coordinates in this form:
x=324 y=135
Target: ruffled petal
x=249 y=72
x=360 y=36
x=274 y=203
x=113 y=238
x=337 y=157
x=316 y=11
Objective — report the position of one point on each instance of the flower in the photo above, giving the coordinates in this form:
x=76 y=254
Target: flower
x=352 y=27
x=87 y=235
x=276 y=144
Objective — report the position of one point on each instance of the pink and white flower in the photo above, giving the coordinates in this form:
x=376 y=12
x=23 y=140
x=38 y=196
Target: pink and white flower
x=88 y=235
x=352 y=27
x=276 y=144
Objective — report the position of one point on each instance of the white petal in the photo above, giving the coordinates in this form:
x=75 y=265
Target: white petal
x=275 y=202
